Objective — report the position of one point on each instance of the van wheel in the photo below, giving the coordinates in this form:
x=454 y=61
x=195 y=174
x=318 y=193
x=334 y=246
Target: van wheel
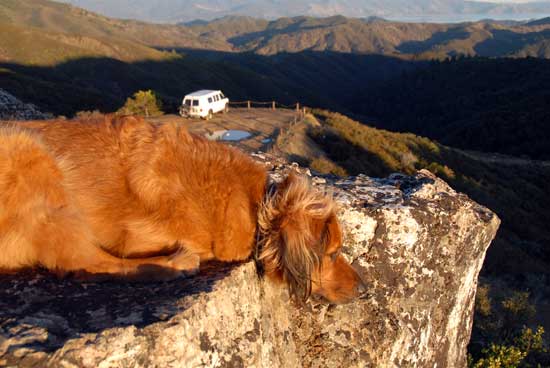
x=210 y=114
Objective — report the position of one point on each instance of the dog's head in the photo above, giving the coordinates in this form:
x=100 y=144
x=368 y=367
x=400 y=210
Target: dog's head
x=301 y=240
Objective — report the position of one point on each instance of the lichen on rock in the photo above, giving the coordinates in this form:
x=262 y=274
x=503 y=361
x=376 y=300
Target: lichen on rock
x=417 y=243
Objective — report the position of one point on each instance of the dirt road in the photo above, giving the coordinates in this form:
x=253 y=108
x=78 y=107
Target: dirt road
x=262 y=126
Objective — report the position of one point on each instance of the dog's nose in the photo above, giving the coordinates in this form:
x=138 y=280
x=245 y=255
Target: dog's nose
x=361 y=289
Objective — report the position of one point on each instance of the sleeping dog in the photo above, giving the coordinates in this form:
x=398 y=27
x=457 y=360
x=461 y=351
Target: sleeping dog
x=120 y=197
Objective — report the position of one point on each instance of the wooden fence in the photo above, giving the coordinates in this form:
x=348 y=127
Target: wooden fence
x=273 y=105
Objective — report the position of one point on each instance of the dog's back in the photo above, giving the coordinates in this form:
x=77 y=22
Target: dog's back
x=122 y=197
x=137 y=188
x=33 y=201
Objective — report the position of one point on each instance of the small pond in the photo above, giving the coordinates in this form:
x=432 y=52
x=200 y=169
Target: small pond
x=228 y=135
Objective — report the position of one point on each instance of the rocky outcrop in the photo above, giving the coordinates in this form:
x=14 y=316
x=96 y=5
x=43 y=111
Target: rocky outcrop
x=13 y=109
x=418 y=244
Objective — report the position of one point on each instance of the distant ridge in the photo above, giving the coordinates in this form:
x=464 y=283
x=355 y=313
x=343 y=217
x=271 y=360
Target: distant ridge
x=174 y=11
x=539 y=22
x=52 y=32
x=379 y=36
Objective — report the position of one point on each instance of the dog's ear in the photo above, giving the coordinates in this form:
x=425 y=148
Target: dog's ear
x=292 y=248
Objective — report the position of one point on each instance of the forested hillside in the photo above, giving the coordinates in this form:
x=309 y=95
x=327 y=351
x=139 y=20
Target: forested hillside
x=314 y=79
x=493 y=105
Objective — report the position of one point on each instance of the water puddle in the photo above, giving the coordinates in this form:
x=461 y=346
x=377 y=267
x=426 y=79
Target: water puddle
x=228 y=135
x=266 y=140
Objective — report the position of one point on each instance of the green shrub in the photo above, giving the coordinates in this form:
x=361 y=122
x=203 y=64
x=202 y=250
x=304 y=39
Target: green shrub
x=143 y=103
x=526 y=346
x=518 y=306
x=483 y=301
x=87 y=114
x=325 y=166
x=500 y=356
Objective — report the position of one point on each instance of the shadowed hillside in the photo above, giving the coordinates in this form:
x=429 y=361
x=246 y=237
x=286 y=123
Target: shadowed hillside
x=315 y=79
x=483 y=104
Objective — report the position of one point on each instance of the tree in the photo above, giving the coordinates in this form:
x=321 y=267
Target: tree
x=517 y=354
x=144 y=103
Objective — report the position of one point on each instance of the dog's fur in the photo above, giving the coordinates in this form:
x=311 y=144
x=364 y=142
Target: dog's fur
x=118 y=196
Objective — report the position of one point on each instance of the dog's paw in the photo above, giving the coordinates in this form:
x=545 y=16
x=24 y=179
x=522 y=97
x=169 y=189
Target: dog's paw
x=185 y=261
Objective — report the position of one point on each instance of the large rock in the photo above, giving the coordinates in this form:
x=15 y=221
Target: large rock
x=418 y=244
x=13 y=109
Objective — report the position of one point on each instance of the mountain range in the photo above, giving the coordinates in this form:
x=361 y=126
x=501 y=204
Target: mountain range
x=66 y=32
x=173 y=11
x=374 y=36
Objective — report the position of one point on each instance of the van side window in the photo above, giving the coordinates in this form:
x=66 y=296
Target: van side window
x=187 y=102
x=209 y=99
x=195 y=102
x=222 y=96
x=215 y=98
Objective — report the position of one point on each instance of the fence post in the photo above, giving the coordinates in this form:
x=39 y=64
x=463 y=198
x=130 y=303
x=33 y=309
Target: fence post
x=248 y=104
x=273 y=105
x=304 y=111
x=297 y=107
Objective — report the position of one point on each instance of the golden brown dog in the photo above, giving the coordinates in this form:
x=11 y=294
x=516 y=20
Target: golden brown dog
x=122 y=197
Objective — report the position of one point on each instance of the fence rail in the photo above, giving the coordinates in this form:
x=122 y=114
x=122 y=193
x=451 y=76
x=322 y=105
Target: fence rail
x=274 y=105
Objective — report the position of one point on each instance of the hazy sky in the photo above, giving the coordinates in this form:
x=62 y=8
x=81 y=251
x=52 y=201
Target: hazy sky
x=511 y=1
x=173 y=11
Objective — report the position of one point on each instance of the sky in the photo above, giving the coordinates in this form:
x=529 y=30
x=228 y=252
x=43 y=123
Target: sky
x=511 y=1
x=439 y=11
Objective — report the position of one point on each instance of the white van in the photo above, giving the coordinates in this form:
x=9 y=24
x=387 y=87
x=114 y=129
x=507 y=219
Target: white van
x=204 y=104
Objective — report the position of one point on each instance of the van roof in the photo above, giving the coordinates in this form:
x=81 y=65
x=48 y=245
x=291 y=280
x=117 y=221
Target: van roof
x=202 y=92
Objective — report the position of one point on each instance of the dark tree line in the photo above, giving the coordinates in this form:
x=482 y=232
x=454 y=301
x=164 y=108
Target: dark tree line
x=493 y=105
